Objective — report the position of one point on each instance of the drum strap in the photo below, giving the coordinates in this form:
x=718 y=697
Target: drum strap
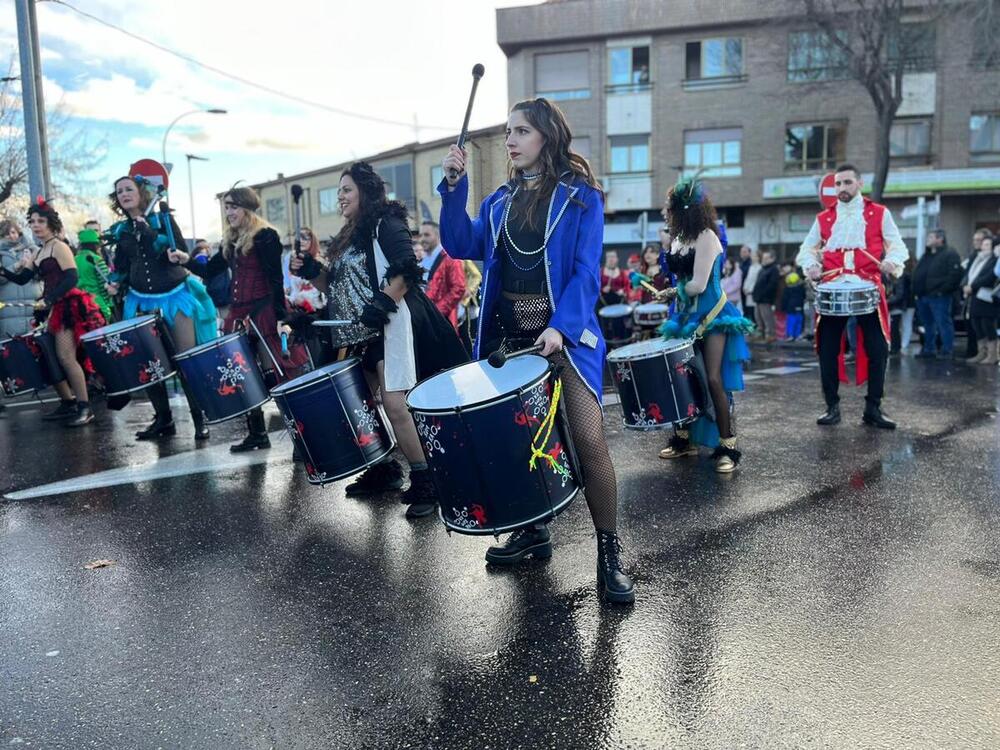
x=712 y=315
x=546 y=427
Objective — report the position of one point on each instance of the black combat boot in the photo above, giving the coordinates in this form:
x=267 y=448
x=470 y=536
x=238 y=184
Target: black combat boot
x=615 y=585
x=257 y=438
x=531 y=540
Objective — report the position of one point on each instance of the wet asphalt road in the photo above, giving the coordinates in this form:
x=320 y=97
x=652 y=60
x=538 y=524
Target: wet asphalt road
x=841 y=590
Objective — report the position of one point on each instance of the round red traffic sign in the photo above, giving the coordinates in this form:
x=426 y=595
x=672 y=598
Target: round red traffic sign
x=150 y=170
x=828 y=191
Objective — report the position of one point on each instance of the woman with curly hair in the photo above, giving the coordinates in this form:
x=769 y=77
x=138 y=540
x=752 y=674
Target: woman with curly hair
x=540 y=238
x=252 y=250
x=371 y=277
x=703 y=313
x=157 y=282
x=71 y=311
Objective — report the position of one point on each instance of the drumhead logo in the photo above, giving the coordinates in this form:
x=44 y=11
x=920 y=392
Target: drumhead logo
x=152 y=371
x=623 y=372
x=469 y=518
x=12 y=385
x=116 y=346
x=232 y=375
x=428 y=432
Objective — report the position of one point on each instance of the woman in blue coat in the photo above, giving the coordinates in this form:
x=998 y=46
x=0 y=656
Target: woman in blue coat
x=540 y=239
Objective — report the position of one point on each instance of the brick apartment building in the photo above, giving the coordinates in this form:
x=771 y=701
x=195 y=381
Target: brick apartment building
x=739 y=88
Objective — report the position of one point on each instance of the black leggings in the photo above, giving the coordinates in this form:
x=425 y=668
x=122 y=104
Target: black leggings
x=713 y=348
x=985 y=328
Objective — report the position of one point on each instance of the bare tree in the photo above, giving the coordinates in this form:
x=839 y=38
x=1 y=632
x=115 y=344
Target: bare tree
x=73 y=152
x=876 y=42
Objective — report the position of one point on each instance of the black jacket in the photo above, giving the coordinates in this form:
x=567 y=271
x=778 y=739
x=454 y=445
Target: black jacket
x=985 y=279
x=765 y=291
x=938 y=274
x=793 y=299
x=142 y=262
x=900 y=292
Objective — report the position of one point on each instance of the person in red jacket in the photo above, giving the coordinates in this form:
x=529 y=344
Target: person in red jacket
x=445 y=275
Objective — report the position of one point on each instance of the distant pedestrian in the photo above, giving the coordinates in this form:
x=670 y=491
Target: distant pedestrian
x=793 y=301
x=937 y=278
x=749 y=280
x=980 y=288
x=765 y=292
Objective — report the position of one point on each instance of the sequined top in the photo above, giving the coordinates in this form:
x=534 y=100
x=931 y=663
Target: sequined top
x=349 y=289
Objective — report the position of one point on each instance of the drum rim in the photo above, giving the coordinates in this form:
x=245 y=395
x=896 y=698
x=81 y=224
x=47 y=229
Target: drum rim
x=137 y=322
x=658 y=306
x=498 y=399
x=494 y=530
x=239 y=414
x=144 y=386
x=283 y=389
x=663 y=426
x=328 y=480
x=651 y=355
x=629 y=309
x=198 y=348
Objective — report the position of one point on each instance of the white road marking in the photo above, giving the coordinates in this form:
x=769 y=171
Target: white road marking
x=787 y=370
x=216 y=458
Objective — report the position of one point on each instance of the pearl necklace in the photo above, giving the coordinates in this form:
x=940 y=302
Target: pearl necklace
x=509 y=240
x=529 y=177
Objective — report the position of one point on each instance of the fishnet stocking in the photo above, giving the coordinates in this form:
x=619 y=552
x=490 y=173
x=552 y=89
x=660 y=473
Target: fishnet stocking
x=586 y=424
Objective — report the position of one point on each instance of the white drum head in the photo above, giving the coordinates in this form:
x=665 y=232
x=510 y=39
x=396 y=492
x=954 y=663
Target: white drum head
x=653 y=308
x=847 y=282
x=476 y=383
x=644 y=349
x=615 y=311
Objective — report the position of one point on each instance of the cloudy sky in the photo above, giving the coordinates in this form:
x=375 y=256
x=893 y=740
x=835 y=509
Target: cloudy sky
x=407 y=62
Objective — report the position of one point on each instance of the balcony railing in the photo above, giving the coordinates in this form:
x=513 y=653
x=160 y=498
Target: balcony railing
x=713 y=82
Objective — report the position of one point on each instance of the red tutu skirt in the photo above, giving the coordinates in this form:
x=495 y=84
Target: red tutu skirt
x=76 y=311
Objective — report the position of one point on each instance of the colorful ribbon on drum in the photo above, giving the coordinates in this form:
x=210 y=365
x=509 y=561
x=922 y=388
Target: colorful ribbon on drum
x=546 y=427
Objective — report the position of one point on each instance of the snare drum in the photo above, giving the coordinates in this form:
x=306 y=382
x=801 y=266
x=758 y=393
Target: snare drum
x=656 y=385
x=478 y=424
x=847 y=295
x=334 y=420
x=616 y=322
x=129 y=355
x=651 y=315
x=223 y=377
x=28 y=364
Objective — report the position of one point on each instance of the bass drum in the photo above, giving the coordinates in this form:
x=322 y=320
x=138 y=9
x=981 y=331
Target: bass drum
x=223 y=377
x=334 y=420
x=501 y=457
x=656 y=384
x=129 y=355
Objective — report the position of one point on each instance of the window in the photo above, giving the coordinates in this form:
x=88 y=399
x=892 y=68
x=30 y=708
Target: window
x=437 y=174
x=814 y=147
x=629 y=153
x=986 y=31
x=581 y=145
x=628 y=69
x=814 y=56
x=714 y=58
x=910 y=141
x=563 y=75
x=717 y=152
x=984 y=132
x=917 y=43
x=327 y=201
x=275 y=208
x=399 y=182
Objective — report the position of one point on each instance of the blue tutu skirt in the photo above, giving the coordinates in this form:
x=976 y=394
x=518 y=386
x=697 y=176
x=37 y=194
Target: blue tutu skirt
x=188 y=298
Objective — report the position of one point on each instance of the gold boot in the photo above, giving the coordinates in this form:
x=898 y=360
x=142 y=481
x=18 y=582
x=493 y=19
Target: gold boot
x=726 y=456
x=679 y=446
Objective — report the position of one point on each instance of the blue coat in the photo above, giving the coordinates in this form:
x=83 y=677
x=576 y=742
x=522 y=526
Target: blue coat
x=572 y=264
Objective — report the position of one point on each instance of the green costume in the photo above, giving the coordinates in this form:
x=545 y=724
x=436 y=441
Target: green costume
x=93 y=272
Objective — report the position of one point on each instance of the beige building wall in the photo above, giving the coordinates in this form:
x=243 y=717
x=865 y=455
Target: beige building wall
x=487 y=171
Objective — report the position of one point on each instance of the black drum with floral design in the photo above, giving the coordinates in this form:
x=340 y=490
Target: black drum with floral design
x=497 y=444
x=223 y=377
x=28 y=364
x=334 y=420
x=129 y=355
x=656 y=385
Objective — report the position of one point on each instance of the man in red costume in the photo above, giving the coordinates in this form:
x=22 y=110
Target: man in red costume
x=856 y=237
x=445 y=275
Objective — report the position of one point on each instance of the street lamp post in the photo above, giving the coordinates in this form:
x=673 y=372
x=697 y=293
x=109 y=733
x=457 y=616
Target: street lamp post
x=166 y=134
x=190 y=158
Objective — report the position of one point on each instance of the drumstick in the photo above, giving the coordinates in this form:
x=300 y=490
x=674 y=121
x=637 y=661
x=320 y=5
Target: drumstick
x=322 y=323
x=477 y=73
x=499 y=357
x=284 y=346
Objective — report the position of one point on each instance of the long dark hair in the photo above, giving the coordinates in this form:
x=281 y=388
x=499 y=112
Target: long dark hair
x=556 y=157
x=373 y=204
x=690 y=211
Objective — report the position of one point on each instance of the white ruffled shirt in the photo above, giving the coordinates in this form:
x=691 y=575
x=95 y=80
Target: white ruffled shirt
x=848 y=233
